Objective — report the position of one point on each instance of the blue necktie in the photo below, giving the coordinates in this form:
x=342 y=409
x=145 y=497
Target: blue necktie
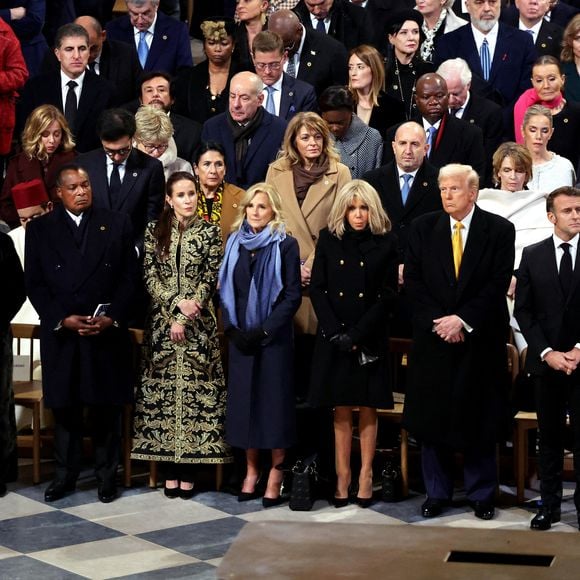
x=291 y=66
x=430 y=133
x=142 y=49
x=406 y=186
x=270 y=107
x=485 y=59
x=320 y=26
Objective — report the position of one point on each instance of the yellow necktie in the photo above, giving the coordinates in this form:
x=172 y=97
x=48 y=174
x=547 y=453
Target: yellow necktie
x=457 y=245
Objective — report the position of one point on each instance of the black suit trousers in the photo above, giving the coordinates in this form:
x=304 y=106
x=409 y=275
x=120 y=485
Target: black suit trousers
x=557 y=395
x=105 y=428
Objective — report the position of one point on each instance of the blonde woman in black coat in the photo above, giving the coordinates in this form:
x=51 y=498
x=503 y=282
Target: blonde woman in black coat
x=353 y=291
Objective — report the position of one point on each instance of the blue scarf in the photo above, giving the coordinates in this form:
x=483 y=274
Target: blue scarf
x=266 y=282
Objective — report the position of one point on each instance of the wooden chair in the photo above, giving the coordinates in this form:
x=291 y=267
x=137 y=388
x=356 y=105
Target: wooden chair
x=28 y=393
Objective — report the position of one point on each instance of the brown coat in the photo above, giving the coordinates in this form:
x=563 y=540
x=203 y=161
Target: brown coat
x=305 y=223
x=231 y=201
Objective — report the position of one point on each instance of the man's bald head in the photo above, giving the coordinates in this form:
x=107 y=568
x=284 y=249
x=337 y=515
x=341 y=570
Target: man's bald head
x=432 y=97
x=96 y=35
x=287 y=25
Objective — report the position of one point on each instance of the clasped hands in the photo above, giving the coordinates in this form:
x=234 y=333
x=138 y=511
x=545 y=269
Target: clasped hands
x=566 y=362
x=87 y=325
x=449 y=328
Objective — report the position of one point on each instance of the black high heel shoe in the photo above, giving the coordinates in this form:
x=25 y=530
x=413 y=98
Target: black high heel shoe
x=171 y=492
x=269 y=502
x=250 y=495
x=340 y=502
x=186 y=493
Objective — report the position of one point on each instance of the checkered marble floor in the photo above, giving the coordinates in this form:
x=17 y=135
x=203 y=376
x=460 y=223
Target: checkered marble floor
x=145 y=535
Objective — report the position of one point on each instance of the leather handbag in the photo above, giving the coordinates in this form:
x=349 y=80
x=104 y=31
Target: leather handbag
x=304 y=481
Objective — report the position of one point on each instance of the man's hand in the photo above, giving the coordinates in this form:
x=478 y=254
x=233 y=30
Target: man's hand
x=512 y=288
x=561 y=361
x=87 y=325
x=573 y=358
x=449 y=328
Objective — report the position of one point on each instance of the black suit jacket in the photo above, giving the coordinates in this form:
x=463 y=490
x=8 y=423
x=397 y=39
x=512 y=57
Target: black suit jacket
x=142 y=192
x=323 y=61
x=457 y=393
x=456 y=141
x=97 y=95
x=549 y=38
x=486 y=115
x=62 y=280
x=118 y=64
x=423 y=197
x=187 y=135
x=349 y=24
x=547 y=317
x=297 y=96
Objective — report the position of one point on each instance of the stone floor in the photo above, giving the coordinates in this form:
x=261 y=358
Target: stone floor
x=145 y=535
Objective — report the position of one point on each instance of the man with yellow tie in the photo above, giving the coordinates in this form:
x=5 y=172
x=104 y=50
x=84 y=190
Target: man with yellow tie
x=457 y=270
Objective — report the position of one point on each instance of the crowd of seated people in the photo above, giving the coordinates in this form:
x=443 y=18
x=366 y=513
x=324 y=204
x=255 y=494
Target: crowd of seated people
x=304 y=191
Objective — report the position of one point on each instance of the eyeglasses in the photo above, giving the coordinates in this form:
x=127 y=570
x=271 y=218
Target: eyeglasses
x=274 y=66
x=121 y=152
x=149 y=147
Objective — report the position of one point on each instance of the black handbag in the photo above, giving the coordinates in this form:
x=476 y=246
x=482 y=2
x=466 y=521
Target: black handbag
x=391 y=484
x=304 y=481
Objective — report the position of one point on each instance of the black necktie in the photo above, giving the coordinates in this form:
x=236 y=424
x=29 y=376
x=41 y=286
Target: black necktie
x=114 y=185
x=566 y=269
x=70 y=105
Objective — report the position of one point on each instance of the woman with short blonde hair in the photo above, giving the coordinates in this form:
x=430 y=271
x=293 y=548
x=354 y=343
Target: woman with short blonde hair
x=154 y=136
x=354 y=290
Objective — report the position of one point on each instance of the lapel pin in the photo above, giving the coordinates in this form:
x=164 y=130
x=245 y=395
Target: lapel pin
x=103 y=228
x=164 y=37
x=134 y=174
x=291 y=94
x=308 y=64
x=566 y=120
x=425 y=184
x=313 y=52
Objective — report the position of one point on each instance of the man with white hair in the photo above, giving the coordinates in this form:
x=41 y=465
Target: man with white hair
x=249 y=134
x=161 y=42
x=499 y=56
x=470 y=107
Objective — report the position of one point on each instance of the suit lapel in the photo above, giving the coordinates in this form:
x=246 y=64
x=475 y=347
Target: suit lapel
x=98 y=231
x=258 y=138
x=575 y=276
x=477 y=242
x=417 y=193
x=158 y=44
x=286 y=96
x=500 y=54
x=100 y=184
x=132 y=173
x=442 y=243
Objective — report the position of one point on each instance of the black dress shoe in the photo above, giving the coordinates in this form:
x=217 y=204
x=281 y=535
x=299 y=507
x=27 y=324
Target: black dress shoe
x=58 y=489
x=432 y=508
x=107 y=493
x=544 y=519
x=171 y=492
x=483 y=510
x=186 y=493
x=3 y=489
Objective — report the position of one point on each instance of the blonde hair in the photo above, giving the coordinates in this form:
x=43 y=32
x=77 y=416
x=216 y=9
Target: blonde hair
x=459 y=170
x=277 y=222
x=39 y=121
x=311 y=122
x=373 y=59
x=214 y=30
x=379 y=222
x=537 y=111
x=570 y=32
x=152 y=125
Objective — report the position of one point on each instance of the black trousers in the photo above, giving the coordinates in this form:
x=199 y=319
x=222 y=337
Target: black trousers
x=105 y=428
x=556 y=395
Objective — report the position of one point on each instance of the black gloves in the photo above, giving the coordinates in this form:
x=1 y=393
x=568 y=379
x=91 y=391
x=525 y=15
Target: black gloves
x=247 y=342
x=343 y=342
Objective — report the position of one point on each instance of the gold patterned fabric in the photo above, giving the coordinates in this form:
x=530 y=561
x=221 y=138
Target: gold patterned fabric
x=180 y=402
x=216 y=206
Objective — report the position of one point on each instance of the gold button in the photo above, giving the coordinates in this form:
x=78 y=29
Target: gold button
x=340 y=294
x=360 y=295
x=234 y=205
x=341 y=262
x=565 y=120
x=362 y=264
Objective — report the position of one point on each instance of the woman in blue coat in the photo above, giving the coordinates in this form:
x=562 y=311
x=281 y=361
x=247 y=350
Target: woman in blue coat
x=353 y=291
x=260 y=292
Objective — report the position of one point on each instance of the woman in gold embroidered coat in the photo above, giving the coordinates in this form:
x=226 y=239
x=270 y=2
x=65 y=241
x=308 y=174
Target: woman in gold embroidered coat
x=180 y=404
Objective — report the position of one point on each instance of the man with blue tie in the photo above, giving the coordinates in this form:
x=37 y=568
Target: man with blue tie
x=499 y=56
x=161 y=42
x=284 y=95
x=547 y=309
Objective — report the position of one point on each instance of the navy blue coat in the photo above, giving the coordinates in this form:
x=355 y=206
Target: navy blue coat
x=170 y=48
x=260 y=405
x=62 y=281
x=262 y=150
x=297 y=97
